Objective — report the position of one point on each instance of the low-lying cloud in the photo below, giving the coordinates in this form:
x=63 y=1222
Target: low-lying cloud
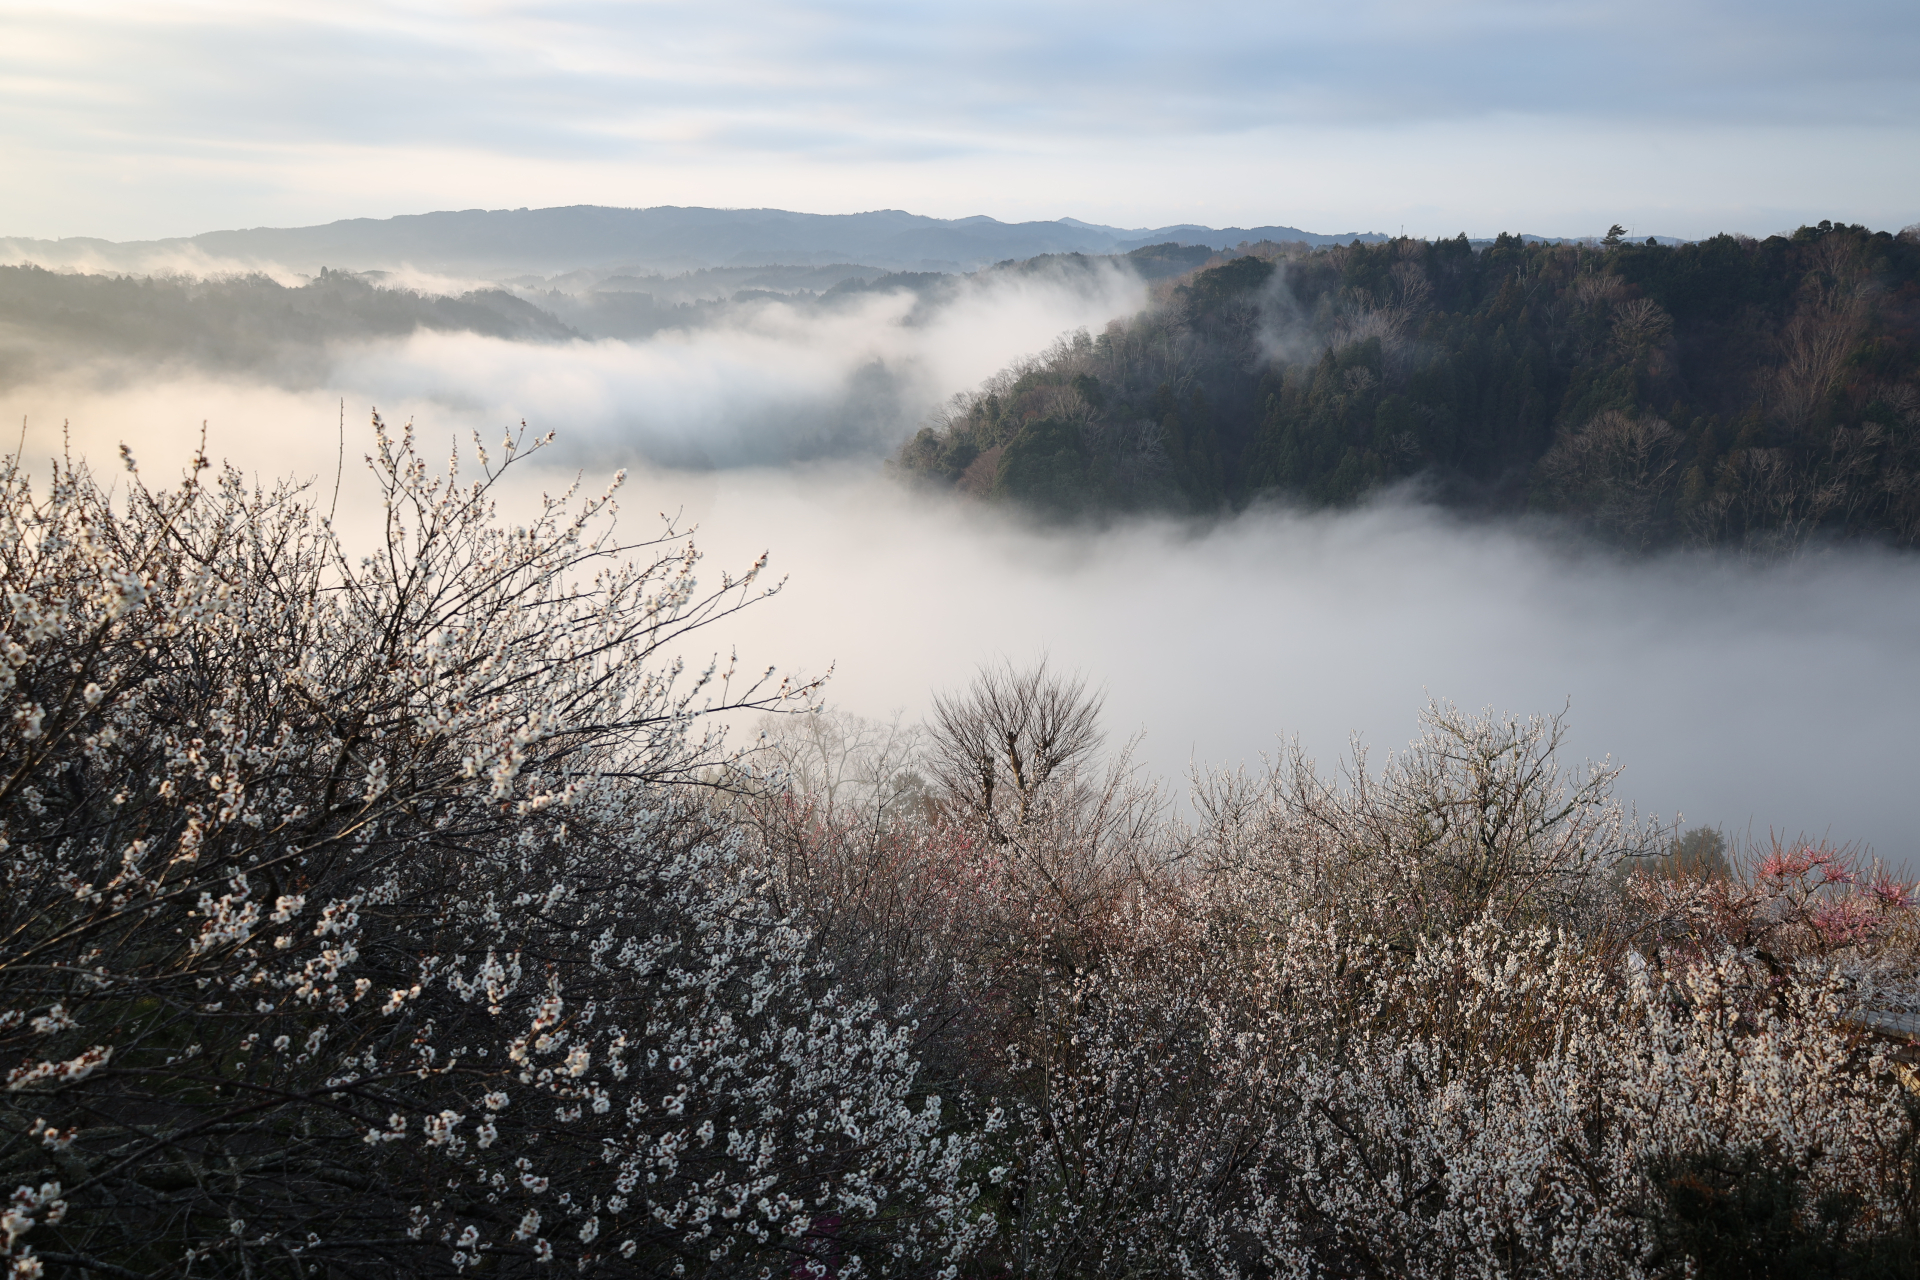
x=1739 y=695
x=778 y=381
x=1743 y=695
x=761 y=382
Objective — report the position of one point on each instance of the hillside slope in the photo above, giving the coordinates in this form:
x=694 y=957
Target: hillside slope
x=1753 y=393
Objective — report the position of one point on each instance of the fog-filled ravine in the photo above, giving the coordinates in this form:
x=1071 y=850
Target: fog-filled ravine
x=1747 y=693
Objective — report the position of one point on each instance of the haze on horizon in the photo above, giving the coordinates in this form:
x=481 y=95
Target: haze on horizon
x=128 y=119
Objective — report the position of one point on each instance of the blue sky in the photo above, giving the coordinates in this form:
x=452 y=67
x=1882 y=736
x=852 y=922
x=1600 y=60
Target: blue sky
x=132 y=120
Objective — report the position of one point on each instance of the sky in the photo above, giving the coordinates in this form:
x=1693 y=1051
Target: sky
x=130 y=120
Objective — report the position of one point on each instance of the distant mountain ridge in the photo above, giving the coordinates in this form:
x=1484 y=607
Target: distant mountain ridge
x=666 y=237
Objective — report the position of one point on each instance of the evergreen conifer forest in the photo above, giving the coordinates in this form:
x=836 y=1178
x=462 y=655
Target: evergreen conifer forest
x=397 y=910
x=1752 y=394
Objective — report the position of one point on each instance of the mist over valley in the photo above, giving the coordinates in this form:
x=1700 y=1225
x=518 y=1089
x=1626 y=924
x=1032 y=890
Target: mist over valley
x=1751 y=691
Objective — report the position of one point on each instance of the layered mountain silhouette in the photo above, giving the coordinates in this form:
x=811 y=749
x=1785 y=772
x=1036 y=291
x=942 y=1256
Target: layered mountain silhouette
x=496 y=242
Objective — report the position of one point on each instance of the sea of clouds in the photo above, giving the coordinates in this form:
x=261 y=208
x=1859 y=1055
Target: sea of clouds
x=1750 y=696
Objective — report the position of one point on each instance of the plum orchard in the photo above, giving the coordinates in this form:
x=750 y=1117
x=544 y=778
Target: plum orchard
x=1439 y=1018
x=351 y=923
x=366 y=917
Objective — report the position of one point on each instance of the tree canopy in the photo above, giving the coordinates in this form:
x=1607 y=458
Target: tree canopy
x=1732 y=391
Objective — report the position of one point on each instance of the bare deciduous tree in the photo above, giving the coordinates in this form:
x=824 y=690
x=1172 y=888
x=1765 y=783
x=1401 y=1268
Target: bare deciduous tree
x=1825 y=326
x=1478 y=818
x=996 y=747
x=1618 y=468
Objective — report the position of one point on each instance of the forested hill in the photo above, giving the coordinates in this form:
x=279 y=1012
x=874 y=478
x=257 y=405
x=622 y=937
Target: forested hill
x=1733 y=391
x=49 y=320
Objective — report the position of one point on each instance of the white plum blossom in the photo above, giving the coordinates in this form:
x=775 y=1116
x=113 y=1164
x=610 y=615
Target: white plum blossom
x=394 y=896
x=261 y=776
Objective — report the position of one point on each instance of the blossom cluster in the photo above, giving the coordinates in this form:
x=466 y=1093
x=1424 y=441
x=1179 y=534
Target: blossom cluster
x=396 y=911
x=352 y=915
x=1428 y=1020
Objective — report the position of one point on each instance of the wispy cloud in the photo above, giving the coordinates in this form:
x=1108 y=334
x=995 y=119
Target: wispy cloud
x=758 y=383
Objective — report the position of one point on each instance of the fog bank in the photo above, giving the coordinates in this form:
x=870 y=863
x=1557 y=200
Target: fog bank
x=1742 y=695
x=1738 y=695
x=758 y=382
